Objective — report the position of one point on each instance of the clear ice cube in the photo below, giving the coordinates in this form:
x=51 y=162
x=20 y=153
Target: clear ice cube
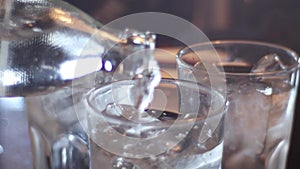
x=246 y=124
x=268 y=63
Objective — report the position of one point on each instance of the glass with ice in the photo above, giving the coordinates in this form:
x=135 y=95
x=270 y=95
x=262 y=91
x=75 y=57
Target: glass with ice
x=261 y=85
x=181 y=127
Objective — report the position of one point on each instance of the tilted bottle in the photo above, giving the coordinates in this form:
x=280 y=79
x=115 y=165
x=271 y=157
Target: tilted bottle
x=48 y=49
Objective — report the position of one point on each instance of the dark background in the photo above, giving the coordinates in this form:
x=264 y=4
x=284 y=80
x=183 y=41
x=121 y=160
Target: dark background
x=275 y=21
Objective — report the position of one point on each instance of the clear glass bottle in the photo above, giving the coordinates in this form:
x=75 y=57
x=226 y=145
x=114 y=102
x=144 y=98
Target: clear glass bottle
x=51 y=53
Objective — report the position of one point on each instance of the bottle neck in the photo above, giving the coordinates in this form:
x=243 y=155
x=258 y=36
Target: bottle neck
x=42 y=41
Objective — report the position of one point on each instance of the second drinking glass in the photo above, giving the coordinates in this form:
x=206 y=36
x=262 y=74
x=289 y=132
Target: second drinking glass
x=261 y=81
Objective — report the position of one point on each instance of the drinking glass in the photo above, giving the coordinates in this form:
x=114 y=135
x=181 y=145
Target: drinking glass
x=182 y=128
x=261 y=85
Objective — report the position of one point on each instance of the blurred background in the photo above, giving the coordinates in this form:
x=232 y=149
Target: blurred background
x=274 y=21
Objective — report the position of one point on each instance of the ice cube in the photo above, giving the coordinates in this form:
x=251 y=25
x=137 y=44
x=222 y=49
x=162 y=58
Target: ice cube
x=247 y=119
x=268 y=63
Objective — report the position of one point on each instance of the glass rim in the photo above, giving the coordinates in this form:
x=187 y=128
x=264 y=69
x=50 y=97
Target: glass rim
x=220 y=110
x=290 y=52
